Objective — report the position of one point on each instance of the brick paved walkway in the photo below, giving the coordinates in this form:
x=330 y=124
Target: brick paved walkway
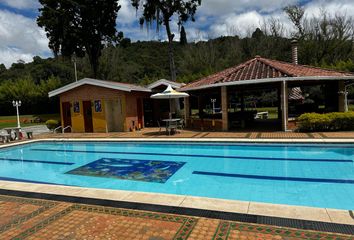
x=23 y=218
x=156 y=133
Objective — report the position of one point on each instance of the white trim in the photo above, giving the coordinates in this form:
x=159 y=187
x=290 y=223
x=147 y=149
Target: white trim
x=165 y=82
x=98 y=83
x=270 y=80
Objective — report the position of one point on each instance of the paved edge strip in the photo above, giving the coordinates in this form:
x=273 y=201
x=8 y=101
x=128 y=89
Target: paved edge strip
x=239 y=217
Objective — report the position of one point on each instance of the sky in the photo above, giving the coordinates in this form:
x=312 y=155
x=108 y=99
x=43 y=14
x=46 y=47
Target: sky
x=21 y=38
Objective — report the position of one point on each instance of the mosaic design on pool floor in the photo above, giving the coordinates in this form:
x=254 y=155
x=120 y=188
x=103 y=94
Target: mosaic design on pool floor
x=130 y=169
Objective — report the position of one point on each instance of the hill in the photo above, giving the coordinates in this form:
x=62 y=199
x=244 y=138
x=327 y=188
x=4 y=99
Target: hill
x=144 y=62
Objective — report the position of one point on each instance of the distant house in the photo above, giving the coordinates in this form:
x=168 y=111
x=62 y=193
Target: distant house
x=91 y=105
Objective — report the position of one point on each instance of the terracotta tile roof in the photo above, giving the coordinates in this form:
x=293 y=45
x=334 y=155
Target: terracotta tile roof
x=262 y=68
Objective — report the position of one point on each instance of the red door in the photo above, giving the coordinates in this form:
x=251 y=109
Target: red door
x=140 y=113
x=65 y=107
x=87 y=116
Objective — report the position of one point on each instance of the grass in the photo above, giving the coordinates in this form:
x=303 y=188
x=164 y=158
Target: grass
x=11 y=121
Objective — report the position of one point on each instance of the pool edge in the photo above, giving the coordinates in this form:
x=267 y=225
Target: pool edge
x=244 y=208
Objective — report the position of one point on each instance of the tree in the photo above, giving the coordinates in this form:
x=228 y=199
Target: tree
x=2 y=68
x=296 y=15
x=160 y=12
x=324 y=39
x=79 y=27
x=183 y=36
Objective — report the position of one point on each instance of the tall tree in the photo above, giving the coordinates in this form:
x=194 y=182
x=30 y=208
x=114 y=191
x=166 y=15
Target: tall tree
x=79 y=26
x=296 y=14
x=183 y=36
x=161 y=12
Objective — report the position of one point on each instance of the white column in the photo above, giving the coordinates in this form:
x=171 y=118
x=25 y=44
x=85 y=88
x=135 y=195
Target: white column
x=342 y=97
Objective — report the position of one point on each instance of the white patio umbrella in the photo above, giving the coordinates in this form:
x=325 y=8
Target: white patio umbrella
x=170 y=93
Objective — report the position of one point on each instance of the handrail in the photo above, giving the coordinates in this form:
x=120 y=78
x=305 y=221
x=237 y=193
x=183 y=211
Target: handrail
x=57 y=128
x=67 y=127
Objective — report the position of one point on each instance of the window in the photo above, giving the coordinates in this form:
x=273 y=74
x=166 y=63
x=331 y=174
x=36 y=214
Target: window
x=98 y=106
x=76 y=107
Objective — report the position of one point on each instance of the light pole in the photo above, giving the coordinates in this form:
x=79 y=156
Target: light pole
x=17 y=104
x=73 y=59
x=213 y=101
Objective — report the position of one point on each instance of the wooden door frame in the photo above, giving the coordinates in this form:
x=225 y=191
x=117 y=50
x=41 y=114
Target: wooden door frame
x=88 y=123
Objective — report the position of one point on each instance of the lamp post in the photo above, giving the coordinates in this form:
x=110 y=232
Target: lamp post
x=213 y=101
x=17 y=104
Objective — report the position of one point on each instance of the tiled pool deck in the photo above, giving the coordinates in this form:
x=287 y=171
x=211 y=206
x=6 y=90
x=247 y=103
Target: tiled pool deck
x=154 y=133
x=65 y=220
x=25 y=218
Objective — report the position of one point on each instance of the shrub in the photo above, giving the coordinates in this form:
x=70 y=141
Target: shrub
x=52 y=124
x=311 y=122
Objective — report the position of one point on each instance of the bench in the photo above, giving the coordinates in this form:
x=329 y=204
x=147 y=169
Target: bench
x=262 y=115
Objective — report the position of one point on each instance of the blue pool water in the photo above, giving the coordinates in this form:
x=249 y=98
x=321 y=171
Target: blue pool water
x=308 y=175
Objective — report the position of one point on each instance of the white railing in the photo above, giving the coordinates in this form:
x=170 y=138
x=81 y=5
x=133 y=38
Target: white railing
x=56 y=129
x=67 y=127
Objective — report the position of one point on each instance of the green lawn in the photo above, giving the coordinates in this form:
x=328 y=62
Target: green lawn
x=11 y=121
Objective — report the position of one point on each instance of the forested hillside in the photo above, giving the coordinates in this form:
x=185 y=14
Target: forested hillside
x=144 y=62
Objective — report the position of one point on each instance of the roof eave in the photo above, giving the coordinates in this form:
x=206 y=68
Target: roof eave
x=93 y=82
x=269 y=80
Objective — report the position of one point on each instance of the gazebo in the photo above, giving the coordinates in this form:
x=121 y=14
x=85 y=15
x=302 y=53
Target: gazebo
x=229 y=87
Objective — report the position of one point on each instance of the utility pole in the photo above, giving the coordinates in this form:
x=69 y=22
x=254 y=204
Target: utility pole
x=73 y=59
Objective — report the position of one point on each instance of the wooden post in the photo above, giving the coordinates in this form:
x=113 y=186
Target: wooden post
x=224 y=108
x=186 y=111
x=341 y=97
x=284 y=105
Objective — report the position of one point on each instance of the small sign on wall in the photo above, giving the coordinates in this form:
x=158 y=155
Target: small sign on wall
x=76 y=107
x=98 y=106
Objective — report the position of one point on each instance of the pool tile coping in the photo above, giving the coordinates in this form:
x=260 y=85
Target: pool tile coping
x=231 y=206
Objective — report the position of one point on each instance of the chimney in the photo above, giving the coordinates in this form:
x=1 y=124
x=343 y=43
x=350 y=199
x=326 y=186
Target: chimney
x=294 y=51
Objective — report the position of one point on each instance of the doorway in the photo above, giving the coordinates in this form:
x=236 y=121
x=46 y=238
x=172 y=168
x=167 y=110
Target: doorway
x=87 y=116
x=65 y=106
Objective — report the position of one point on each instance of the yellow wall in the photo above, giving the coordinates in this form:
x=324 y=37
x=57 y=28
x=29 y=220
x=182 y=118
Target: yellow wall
x=99 y=119
x=77 y=119
x=92 y=93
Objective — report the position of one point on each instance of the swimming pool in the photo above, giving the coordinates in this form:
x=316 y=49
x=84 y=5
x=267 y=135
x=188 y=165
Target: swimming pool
x=318 y=175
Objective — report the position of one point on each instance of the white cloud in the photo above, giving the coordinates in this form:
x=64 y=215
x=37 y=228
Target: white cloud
x=11 y=55
x=221 y=7
x=20 y=37
x=127 y=13
x=331 y=6
x=233 y=22
x=21 y=4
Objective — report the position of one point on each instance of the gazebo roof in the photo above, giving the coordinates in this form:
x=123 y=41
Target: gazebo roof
x=264 y=69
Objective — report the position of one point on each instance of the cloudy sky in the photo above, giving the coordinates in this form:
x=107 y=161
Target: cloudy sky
x=21 y=38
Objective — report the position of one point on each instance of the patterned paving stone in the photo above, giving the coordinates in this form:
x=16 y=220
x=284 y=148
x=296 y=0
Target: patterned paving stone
x=24 y=218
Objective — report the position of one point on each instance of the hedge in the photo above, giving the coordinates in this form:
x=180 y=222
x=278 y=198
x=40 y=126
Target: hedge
x=312 y=122
x=52 y=124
